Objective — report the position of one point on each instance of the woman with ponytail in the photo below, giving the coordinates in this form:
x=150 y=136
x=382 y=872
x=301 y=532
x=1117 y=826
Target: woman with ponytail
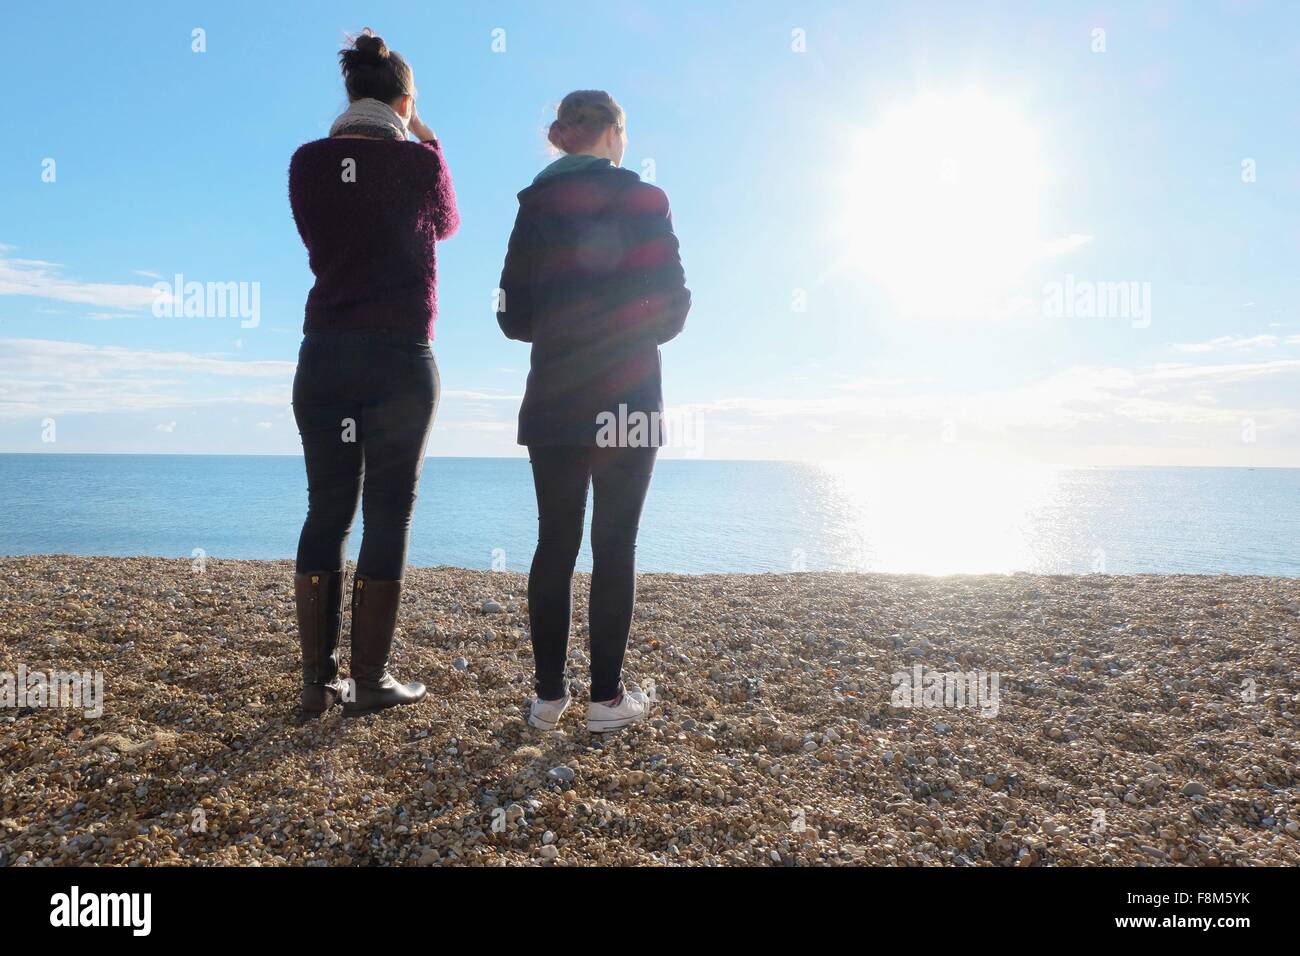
x=593 y=281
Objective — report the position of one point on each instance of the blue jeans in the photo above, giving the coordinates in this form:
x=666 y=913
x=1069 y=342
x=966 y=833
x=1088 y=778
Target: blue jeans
x=364 y=401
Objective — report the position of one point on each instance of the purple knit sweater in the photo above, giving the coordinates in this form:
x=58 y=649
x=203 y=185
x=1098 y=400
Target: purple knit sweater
x=369 y=212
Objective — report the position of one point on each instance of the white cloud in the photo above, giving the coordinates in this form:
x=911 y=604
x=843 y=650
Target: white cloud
x=1221 y=374
x=1065 y=245
x=53 y=377
x=45 y=280
x=503 y=428
x=1231 y=343
x=1157 y=409
x=868 y=383
x=1157 y=405
x=41 y=377
x=469 y=395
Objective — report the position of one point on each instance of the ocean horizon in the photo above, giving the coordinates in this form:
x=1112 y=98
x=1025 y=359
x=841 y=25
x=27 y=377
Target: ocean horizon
x=702 y=516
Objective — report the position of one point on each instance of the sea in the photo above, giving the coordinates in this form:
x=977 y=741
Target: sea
x=701 y=516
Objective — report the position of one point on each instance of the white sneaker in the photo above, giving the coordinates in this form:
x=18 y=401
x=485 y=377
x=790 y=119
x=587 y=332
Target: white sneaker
x=631 y=707
x=545 y=714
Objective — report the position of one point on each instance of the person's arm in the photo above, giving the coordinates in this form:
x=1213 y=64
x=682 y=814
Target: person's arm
x=446 y=218
x=667 y=298
x=515 y=293
x=296 y=193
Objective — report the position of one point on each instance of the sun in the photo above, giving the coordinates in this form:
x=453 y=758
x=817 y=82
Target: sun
x=941 y=204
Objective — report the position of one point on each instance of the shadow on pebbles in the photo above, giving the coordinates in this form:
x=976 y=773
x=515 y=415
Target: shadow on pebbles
x=1135 y=720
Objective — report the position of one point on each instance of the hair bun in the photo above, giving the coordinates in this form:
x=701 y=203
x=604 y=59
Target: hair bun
x=582 y=118
x=372 y=71
x=371 y=49
x=556 y=134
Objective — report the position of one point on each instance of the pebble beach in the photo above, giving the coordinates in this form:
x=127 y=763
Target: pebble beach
x=1120 y=720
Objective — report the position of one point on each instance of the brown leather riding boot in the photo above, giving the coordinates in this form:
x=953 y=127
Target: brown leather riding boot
x=374 y=619
x=319 y=597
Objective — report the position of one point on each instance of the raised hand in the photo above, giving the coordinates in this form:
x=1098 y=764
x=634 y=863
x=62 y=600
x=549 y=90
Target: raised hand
x=418 y=128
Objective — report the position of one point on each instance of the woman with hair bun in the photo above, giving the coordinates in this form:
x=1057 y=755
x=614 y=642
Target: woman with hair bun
x=593 y=281
x=369 y=205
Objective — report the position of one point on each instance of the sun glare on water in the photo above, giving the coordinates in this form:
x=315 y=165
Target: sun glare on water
x=982 y=518
x=941 y=203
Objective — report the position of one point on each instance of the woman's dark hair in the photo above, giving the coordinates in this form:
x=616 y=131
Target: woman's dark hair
x=372 y=71
x=582 y=118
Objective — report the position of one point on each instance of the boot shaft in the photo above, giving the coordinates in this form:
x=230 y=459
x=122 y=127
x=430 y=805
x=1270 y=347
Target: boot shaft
x=374 y=621
x=319 y=600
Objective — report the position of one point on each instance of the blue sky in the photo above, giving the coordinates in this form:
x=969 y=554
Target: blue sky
x=875 y=203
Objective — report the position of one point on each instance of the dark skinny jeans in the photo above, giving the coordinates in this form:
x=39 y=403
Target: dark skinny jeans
x=364 y=401
x=621 y=478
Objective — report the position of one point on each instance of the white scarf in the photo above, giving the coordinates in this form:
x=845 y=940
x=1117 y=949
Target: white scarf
x=369 y=117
